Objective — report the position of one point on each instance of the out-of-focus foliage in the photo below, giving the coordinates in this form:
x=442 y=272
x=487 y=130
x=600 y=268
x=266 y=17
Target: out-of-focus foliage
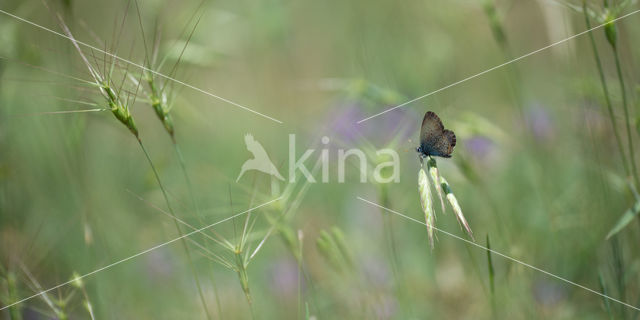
x=537 y=168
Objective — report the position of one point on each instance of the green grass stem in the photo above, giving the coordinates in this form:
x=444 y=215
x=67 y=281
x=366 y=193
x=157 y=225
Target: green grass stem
x=184 y=243
x=605 y=90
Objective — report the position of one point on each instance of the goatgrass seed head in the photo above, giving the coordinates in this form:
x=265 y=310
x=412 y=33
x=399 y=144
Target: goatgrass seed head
x=427 y=203
x=119 y=109
x=159 y=104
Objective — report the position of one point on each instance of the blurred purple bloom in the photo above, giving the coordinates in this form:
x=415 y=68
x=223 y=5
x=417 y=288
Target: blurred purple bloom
x=376 y=272
x=284 y=276
x=159 y=264
x=386 y=308
x=479 y=146
x=399 y=124
x=539 y=121
x=548 y=294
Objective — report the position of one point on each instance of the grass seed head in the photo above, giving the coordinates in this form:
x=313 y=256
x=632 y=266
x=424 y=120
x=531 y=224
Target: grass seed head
x=435 y=178
x=102 y=81
x=427 y=203
x=495 y=22
x=159 y=103
x=610 y=29
x=333 y=247
x=455 y=206
x=76 y=281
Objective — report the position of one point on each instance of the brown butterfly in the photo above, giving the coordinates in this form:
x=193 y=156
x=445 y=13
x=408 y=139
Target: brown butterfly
x=435 y=140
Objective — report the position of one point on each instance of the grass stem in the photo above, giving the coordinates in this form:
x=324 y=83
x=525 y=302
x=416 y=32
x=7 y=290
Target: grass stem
x=183 y=167
x=184 y=243
x=605 y=90
x=627 y=119
x=14 y=310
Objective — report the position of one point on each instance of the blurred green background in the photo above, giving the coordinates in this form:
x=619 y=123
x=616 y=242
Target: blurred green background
x=537 y=169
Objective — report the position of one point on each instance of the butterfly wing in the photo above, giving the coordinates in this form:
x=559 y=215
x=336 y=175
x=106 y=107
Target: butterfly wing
x=434 y=139
x=444 y=146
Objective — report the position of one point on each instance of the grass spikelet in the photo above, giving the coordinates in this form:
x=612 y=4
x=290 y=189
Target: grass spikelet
x=157 y=94
x=118 y=107
x=427 y=203
x=453 y=201
x=243 y=276
x=333 y=248
x=159 y=103
x=435 y=178
x=426 y=199
x=79 y=284
x=495 y=22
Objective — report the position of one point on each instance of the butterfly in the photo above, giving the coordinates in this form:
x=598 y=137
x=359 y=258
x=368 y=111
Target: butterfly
x=435 y=140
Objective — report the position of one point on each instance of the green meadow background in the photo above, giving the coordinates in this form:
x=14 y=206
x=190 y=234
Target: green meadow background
x=537 y=169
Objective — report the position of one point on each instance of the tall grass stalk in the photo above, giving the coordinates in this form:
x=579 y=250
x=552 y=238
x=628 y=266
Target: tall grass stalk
x=627 y=120
x=159 y=103
x=500 y=36
x=492 y=279
x=121 y=111
x=396 y=267
x=79 y=284
x=241 y=264
x=619 y=272
x=281 y=224
x=605 y=90
x=56 y=305
x=238 y=257
x=180 y=233
x=611 y=33
x=300 y=242
x=603 y=290
x=12 y=287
